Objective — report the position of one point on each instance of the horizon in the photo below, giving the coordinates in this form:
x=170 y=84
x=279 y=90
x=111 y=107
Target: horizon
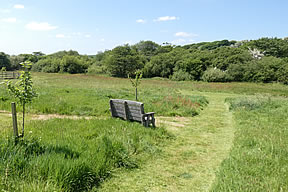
x=92 y=26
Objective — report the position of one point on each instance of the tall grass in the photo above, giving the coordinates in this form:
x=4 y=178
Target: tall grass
x=74 y=155
x=90 y=95
x=258 y=160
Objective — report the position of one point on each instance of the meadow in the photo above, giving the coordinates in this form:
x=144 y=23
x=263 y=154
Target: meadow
x=209 y=137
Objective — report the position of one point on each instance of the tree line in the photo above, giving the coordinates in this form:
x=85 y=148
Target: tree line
x=262 y=60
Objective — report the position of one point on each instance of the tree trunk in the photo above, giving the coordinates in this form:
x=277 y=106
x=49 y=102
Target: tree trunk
x=136 y=94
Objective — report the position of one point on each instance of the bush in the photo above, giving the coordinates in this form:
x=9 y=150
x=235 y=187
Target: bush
x=181 y=75
x=96 y=68
x=68 y=63
x=215 y=75
x=48 y=65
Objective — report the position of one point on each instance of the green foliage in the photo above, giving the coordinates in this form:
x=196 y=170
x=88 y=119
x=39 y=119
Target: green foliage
x=162 y=64
x=267 y=69
x=4 y=61
x=15 y=60
x=223 y=57
x=136 y=82
x=180 y=75
x=122 y=61
x=63 y=62
x=270 y=46
x=47 y=65
x=3 y=69
x=191 y=65
x=71 y=64
x=147 y=48
x=23 y=90
x=209 y=45
x=188 y=62
x=97 y=68
x=215 y=75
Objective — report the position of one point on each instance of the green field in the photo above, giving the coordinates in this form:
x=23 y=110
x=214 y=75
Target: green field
x=209 y=137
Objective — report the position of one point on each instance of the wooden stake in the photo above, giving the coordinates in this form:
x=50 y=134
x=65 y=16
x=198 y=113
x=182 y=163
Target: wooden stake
x=14 y=118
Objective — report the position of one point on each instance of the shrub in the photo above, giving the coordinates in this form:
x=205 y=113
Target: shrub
x=181 y=75
x=71 y=64
x=96 y=68
x=215 y=75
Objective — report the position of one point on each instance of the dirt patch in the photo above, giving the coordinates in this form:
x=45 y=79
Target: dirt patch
x=48 y=116
x=57 y=116
x=173 y=123
x=6 y=113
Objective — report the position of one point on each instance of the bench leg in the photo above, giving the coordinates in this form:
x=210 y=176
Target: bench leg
x=148 y=119
x=153 y=121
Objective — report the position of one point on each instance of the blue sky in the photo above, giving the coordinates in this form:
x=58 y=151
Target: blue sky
x=89 y=26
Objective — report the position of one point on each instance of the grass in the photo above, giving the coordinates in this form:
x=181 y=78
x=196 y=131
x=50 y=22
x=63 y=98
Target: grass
x=78 y=155
x=104 y=154
x=89 y=95
x=258 y=159
x=188 y=162
x=74 y=155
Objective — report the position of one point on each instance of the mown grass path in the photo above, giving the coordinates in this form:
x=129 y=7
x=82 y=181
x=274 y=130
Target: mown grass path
x=190 y=160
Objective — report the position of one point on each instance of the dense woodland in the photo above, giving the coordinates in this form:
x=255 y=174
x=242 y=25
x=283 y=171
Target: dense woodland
x=262 y=60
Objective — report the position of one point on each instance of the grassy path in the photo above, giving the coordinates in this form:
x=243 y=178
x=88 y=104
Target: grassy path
x=188 y=162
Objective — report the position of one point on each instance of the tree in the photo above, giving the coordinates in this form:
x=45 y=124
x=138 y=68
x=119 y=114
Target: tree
x=4 y=61
x=23 y=89
x=225 y=56
x=147 y=48
x=272 y=46
x=15 y=60
x=122 y=61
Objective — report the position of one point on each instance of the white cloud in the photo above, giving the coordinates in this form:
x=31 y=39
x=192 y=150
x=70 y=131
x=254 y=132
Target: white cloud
x=88 y=36
x=60 y=36
x=184 y=34
x=166 y=18
x=141 y=21
x=9 y=20
x=34 y=26
x=18 y=6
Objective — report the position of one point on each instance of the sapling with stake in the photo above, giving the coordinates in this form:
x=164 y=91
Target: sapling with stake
x=136 y=82
x=23 y=90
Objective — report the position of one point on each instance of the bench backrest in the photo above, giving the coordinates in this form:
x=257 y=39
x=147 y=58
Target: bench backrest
x=129 y=110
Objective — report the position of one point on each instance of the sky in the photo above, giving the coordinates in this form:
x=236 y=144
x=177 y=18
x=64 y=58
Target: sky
x=90 y=26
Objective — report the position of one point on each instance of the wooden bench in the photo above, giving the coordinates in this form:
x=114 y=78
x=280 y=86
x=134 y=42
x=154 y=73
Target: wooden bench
x=132 y=111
